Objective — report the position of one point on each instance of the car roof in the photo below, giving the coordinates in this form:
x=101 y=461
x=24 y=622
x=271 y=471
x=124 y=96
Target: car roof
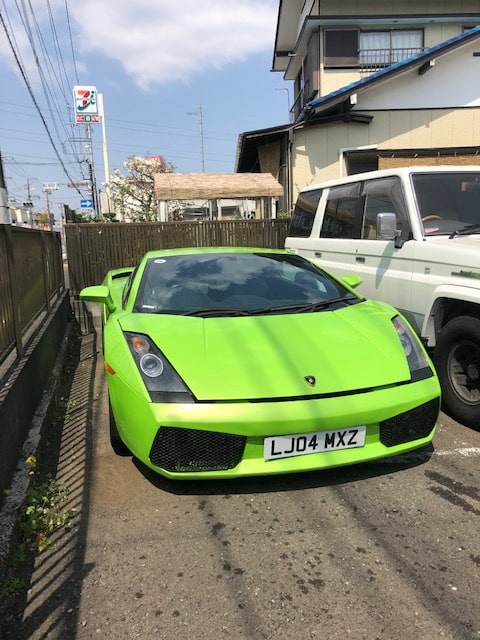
x=209 y=250
x=396 y=171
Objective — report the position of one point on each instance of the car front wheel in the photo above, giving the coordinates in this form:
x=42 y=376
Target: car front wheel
x=457 y=360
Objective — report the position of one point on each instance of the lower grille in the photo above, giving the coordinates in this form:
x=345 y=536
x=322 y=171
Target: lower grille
x=187 y=450
x=411 y=425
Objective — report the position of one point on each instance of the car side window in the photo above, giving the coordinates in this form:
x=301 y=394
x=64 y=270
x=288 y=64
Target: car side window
x=340 y=210
x=304 y=212
x=384 y=195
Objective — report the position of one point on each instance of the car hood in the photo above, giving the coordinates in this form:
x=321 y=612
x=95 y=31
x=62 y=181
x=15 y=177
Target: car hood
x=461 y=251
x=253 y=357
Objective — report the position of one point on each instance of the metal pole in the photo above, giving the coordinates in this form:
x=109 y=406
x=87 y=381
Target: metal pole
x=106 y=166
x=93 y=184
x=4 y=210
x=202 y=151
x=288 y=99
x=199 y=115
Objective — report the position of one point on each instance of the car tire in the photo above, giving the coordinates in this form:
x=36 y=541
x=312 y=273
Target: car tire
x=117 y=443
x=457 y=360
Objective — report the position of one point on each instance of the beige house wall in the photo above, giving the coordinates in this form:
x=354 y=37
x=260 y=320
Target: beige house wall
x=316 y=151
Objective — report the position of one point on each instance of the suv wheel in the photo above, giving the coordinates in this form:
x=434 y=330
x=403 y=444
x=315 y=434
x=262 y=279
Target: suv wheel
x=457 y=360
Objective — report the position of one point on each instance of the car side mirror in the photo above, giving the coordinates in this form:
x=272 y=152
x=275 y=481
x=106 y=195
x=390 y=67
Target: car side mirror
x=98 y=293
x=352 y=281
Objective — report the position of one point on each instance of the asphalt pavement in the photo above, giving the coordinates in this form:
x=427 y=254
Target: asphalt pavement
x=386 y=551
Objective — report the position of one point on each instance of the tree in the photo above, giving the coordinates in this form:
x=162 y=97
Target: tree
x=133 y=194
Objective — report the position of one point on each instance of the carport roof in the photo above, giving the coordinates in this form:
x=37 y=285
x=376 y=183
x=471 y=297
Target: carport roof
x=187 y=186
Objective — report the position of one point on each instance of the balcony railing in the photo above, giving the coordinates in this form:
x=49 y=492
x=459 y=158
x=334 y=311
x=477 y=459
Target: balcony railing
x=371 y=60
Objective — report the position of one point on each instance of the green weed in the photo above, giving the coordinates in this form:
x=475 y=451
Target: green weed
x=13 y=587
x=44 y=513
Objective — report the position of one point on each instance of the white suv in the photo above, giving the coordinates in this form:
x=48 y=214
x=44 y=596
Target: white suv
x=413 y=235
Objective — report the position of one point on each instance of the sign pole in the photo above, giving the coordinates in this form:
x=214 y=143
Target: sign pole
x=86 y=113
x=106 y=167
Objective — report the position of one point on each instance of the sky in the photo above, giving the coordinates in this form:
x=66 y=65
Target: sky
x=173 y=75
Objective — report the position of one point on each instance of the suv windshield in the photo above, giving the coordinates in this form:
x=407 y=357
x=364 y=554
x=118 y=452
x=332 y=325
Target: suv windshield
x=222 y=284
x=448 y=203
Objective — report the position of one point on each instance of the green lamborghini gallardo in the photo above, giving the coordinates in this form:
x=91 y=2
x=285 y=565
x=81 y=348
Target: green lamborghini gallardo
x=233 y=362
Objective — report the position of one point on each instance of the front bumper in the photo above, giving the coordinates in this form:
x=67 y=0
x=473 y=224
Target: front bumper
x=225 y=439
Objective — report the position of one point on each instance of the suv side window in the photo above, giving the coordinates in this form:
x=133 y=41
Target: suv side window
x=304 y=213
x=340 y=209
x=384 y=195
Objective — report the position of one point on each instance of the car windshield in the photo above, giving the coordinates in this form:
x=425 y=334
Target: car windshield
x=230 y=284
x=448 y=203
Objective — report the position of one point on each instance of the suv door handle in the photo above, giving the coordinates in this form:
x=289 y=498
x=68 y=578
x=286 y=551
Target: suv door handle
x=360 y=259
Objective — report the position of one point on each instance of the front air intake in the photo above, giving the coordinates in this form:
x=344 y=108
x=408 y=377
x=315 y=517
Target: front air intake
x=189 y=450
x=411 y=425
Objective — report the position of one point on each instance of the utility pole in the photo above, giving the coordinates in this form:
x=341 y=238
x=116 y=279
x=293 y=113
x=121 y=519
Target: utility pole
x=4 y=210
x=199 y=115
x=91 y=172
x=48 y=188
x=28 y=205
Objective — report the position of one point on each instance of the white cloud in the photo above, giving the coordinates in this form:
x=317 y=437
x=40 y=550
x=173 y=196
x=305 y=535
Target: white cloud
x=158 y=41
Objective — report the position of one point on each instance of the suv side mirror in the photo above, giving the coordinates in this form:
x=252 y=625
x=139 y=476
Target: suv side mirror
x=387 y=229
x=386 y=226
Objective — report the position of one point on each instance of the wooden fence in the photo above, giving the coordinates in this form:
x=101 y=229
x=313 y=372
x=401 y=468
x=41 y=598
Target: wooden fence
x=93 y=249
x=31 y=280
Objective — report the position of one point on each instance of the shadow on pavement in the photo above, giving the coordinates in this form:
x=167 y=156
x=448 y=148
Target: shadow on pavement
x=289 y=482
x=47 y=603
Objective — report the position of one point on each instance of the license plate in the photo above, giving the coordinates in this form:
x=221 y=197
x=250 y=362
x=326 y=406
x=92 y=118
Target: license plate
x=302 y=444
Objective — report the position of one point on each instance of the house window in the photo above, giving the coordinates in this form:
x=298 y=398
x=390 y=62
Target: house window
x=381 y=48
x=341 y=47
x=370 y=49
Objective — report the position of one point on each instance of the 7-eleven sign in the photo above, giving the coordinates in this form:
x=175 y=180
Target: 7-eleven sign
x=86 y=106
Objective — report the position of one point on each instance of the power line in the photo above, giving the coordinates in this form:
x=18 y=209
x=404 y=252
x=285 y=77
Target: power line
x=67 y=13
x=55 y=79
x=30 y=91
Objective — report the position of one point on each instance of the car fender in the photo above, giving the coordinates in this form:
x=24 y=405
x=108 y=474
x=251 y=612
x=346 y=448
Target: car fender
x=433 y=320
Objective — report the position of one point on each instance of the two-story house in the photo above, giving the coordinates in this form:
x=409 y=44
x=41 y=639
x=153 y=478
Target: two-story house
x=375 y=83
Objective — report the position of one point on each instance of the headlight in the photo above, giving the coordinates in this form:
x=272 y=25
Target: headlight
x=162 y=381
x=416 y=358
x=151 y=365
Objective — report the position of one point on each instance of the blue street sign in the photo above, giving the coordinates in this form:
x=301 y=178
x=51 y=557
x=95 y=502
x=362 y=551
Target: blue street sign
x=86 y=203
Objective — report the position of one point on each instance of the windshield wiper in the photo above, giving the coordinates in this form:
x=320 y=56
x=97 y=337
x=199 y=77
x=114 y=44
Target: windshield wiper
x=308 y=307
x=212 y=312
x=469 y=228
x=216 y=311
